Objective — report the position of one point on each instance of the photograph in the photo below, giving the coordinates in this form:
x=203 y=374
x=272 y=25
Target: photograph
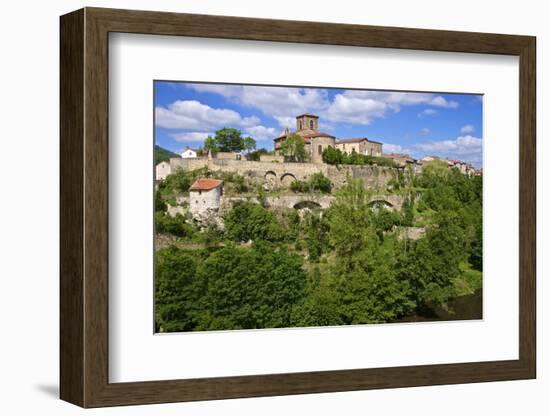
x=302 y=206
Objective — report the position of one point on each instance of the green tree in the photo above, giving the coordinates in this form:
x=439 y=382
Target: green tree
x=408 y=210
x=164 y=223
x=177 y=290
x=160 y=205
x=249 y=144
x=249 y=221
x=250 y=288
x=255 y=155
x=432 y=263
x=316 y=235
x=369 y=289
x=293 y=148
x=229 y=140
x=319 y=182
x=211 y=145
x=333 y=156
x=350 y=223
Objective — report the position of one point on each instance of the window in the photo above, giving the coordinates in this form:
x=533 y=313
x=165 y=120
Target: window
x=311 y=124
x=300 y=125
x=320 y=149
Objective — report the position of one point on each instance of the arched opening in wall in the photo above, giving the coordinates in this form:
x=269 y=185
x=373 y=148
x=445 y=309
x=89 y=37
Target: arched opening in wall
x=270 y=179
x=380 y=204
x=287 y=179
x=311 y=205
x=311 y=124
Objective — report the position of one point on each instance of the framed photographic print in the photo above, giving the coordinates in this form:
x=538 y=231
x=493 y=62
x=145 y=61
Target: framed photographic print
x=255 y=207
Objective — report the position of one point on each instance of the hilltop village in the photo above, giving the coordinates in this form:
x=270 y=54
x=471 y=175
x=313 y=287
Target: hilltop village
x=276 y=172
x=320 y=231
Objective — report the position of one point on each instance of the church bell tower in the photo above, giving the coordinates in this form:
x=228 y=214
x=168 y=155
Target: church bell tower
x=307 y=122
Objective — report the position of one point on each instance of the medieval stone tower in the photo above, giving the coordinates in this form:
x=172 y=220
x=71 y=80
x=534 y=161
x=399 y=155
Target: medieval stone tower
x=308 y=123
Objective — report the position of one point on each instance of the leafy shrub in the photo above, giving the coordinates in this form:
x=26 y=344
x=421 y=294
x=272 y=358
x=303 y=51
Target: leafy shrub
x=316 y=183
x=334 y=156
x=177 y=226
x=249 y=221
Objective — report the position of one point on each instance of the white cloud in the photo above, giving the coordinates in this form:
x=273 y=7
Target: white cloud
x=355 y=110
x=361 y=107
x=427 y=112
x=261 y=132
x=425 y=131
x=193 y=115
x=350 y=106
x=467 y=148
x=286 y=121
x=440 y=101
x=281 y=103
x=191 y=137
x=468 y=128
x=396 y=148
x=460 y=145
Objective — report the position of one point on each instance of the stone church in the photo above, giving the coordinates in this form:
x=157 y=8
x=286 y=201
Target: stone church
x=315 y=141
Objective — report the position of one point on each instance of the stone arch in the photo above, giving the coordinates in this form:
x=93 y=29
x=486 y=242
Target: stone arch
x=287 y=179
x=270 y=179
x=270 y=174
x=307 y=204
x=380 y=203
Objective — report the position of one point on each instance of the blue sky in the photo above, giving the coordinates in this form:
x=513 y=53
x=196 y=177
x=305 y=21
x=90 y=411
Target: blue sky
x=419 y=124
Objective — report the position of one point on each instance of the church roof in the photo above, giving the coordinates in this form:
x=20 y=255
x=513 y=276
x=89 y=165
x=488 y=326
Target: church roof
x=307 y=114
x=314 y=134
x=205 y=184
x=356 y=140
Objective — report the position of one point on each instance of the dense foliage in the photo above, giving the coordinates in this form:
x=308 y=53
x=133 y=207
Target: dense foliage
x=251 y=222
x=334 y=156
x=348 y=264
x=255 y=155
x=316 y=183
x=229 y=140
x=230 y=288
x=293 y=148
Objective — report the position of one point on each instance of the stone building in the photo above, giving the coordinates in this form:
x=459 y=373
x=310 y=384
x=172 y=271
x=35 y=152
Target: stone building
x=361 y=145
x=205 y=195
x=400 y=159
x=162 y=170
x=315 y=141
x=189 y=153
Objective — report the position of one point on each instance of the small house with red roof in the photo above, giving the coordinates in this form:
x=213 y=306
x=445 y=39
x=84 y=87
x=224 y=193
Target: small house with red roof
x=204 y=195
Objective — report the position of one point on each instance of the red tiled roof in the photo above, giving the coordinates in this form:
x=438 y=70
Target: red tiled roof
x=356 y=140
x=205 y=184
x=306 y=137
x=307 y=114
x=315 y=134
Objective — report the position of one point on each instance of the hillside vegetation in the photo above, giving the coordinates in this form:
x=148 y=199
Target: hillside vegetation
x=346 y=265
x=163 y=155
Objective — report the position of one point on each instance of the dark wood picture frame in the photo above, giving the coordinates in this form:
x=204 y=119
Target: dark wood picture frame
x=84 y=207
